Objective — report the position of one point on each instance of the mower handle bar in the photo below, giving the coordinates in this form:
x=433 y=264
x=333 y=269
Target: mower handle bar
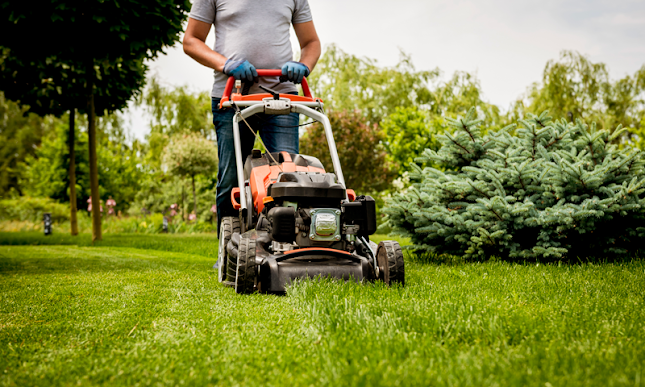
x=264 y=73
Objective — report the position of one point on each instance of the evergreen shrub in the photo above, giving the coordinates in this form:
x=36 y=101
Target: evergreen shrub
x=539 y=189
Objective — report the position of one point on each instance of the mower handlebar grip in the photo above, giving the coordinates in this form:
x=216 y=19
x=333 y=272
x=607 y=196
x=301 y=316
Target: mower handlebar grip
x=264 y=73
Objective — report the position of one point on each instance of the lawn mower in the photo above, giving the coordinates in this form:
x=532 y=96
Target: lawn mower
x=295 y=219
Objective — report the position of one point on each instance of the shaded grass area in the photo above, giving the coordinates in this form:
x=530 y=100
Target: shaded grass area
x=74 y=314
x=198 y=244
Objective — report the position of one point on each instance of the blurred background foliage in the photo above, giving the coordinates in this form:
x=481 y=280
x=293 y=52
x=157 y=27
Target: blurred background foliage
x=383 y=118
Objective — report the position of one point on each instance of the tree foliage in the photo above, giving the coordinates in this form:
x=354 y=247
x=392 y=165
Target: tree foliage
x=408 y=132
x=362 y=155
x=94 y=57
x=189 y=155
x=20 y=135
x=120 y=170
x=546 y=189
x=347 y=82
x=576 y=88
x=173 y=111
x=94 y=47
x=177 y=110
x=409 y=105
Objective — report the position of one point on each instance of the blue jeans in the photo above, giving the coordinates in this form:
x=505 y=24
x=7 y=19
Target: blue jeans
x=279 y=133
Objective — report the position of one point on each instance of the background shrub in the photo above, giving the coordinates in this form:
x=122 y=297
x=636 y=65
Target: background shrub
x=32 y=209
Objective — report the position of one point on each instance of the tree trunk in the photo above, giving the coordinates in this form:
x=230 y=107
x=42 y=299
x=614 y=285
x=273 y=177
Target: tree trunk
x=194 y=198
x=183 y=201
x=72 y=174
x=94 y=172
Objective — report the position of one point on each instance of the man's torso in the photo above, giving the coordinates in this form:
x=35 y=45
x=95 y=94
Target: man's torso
x=256 y=30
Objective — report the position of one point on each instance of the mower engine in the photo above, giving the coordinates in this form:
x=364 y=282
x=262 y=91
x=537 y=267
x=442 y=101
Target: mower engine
x=295 y=219
x=306 y=209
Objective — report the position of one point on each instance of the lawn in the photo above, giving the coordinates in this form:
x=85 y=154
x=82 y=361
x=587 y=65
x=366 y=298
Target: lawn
x=147 y=310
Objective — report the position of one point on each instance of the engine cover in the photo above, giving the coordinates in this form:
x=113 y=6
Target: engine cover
x=296 y=185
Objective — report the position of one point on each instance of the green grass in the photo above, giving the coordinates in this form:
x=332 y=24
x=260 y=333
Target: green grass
x=147 y=310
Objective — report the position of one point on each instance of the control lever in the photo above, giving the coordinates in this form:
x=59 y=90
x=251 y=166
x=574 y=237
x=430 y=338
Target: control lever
x=274 y=93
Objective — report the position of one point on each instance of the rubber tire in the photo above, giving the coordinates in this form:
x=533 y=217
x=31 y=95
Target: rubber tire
x=247 y=272
x=390 y=262
x=229 y=226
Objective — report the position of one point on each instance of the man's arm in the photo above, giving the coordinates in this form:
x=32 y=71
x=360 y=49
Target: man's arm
x=195 y=45
x=309 y=43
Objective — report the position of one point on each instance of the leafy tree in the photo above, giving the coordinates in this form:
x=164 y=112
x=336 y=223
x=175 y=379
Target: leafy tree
x=545 y=190
x=360 y=149
x=173 y=111
x=176 y=110
x=347 y=82
x=637 y=138
x=576 y=88
x=190 y=155
x=100 y=67
x=46 y=172
x=408 y=132
x=49 y=85
x=458 y=94
x=408 y=104
x=119 y=165
x=20 y=135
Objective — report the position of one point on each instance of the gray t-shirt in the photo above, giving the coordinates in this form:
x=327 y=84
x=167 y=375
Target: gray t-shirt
x=256 y=30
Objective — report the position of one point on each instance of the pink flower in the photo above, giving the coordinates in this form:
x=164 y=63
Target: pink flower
x=214 y=209
x=173 y=206
x=110 y=211
x=192 y=216
x=110 y=202
x=173 y=213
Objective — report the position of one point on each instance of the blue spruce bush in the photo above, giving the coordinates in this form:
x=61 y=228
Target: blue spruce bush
x=540 y=189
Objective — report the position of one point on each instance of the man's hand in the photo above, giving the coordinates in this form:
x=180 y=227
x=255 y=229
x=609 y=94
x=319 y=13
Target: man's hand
x=241 y=69
x=295 y=71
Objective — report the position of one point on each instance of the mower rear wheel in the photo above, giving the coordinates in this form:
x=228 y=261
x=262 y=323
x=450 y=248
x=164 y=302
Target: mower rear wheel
x=390 y=263
x=246 y=269
x=229 y=226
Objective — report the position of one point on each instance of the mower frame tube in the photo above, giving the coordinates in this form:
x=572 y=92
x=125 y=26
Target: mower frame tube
x=296 y=107
x=237 y=142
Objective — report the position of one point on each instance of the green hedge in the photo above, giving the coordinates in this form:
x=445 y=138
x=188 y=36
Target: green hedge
x=32 y=209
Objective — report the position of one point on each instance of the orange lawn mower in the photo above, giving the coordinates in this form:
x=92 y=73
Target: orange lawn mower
x=295 y=219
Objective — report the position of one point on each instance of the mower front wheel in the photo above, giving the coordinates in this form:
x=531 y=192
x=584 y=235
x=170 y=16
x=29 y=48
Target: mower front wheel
x=229 y=226
x=246 y=269
x=390 y=263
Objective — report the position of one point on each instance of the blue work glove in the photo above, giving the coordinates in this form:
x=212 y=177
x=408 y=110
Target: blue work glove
x=295 y=71
x=241 y=69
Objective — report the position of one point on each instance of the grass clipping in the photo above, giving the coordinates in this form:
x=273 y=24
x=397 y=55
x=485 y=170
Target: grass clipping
x=540 y=189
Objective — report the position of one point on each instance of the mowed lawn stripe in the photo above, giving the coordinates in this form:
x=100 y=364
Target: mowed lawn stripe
x=117 y=315
x=104 y=315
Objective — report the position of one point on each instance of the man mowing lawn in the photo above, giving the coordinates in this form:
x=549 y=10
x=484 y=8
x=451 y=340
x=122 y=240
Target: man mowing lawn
x=249 y=35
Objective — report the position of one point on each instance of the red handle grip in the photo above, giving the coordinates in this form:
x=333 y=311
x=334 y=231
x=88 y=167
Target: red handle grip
x=264 y=73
